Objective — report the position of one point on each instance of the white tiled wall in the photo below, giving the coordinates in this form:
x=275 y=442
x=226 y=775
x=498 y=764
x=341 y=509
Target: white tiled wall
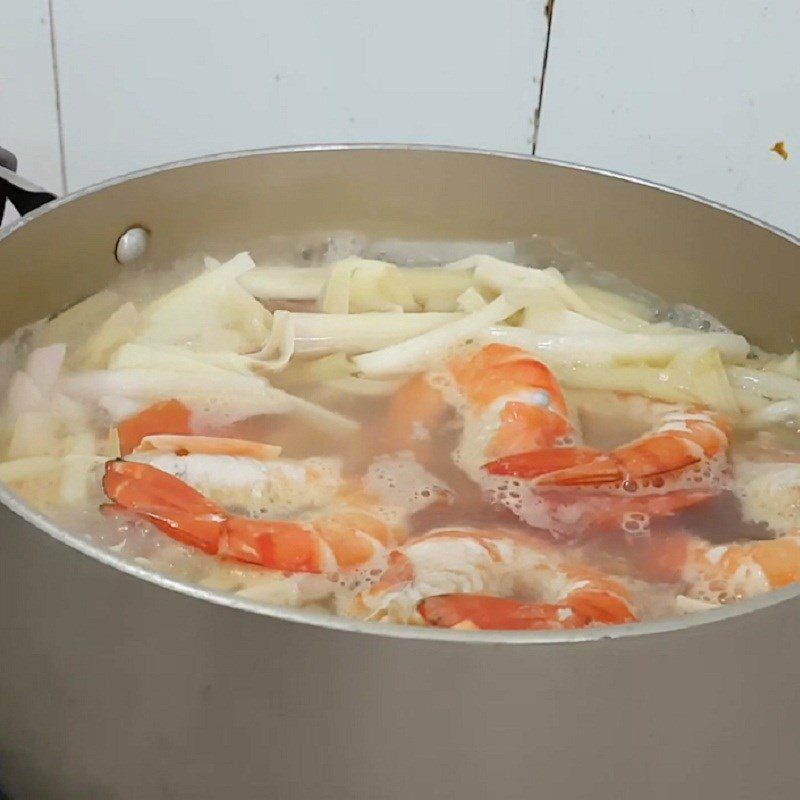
x=168 y=79
x=28 y=119
x=686 y=93
x=691 y=94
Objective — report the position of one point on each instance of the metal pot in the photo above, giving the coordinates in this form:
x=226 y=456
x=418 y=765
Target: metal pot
x=119 y=683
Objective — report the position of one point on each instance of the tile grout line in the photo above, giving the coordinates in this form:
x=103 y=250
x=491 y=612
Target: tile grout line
x=57 y=86
x=537 y=114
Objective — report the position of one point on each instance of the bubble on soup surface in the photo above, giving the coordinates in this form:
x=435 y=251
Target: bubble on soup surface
x=636 y=523
x=687 y=316
x=341 y=246
x=401 y=481
x=769 y=494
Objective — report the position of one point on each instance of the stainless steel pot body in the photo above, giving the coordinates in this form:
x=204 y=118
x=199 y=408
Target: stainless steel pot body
x=118 y=685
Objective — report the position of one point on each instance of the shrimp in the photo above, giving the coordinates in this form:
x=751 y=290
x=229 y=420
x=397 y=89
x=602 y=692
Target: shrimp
x=510 y=403
x=551 y=480
x=717 y=573
x=521 y=444
x=485 y=612
x=179 y=483
x=168 y=416
x=679 y=463
x=250 y=485
x=679 y=441
x=245 y=475
x=506 y=401
x=472 y=578
x=293 y=515
x=345 y=537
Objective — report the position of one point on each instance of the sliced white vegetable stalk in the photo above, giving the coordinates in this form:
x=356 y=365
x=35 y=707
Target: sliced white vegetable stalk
x=367 y=284
x=617 y=347
x=279 y=347
x=335 y=298
x=285 y=283
x=74 y=416
x=320 y=334
x=207 y=445
x=377 y=286
x=357 y=285
x=119 y=408
x=416 y=354
x=691 y=605
x=365 y=387
x=23 y=469
x=764 y=383
x=118 y=329
x=318 y=370
x=616 y=305
x=467 y=264
x=204 y=390
x=557 y=319
x=749 y=402
x=35 y=434
x=31 y=389
x=180 y=359
x=435 y=288
x=74 y=488
x=392 y=286
x=470 y=301
x=501 y=275
x=23 y=394
x=75 y=322
x=44 y=366
x=692 y=378
x=781 y=412
x=207 y=310
x=152 y=384
x=787 y=365
x=706 y=375
x=650 y=382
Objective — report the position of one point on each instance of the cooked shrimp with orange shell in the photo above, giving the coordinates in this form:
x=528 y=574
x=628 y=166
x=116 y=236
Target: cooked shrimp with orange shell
x=474 y=445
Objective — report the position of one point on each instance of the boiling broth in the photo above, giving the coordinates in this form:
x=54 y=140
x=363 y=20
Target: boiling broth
x=202 y=331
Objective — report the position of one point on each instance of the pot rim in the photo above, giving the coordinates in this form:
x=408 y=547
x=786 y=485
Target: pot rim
x=318 y=619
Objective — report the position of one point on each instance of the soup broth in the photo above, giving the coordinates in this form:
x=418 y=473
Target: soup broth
x=471 y=435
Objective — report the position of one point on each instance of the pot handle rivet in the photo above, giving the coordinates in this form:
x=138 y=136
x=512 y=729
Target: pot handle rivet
x=132 y=245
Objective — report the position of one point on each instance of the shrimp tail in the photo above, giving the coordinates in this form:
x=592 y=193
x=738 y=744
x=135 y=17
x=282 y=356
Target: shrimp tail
x=540 y=462
x=599 y=607
x=164 y=417
x=187 y=516
x=581 y=608
x=485 y=612
x=171 y=505
x=285 y=546
x=346 y=538
x=683 y=440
